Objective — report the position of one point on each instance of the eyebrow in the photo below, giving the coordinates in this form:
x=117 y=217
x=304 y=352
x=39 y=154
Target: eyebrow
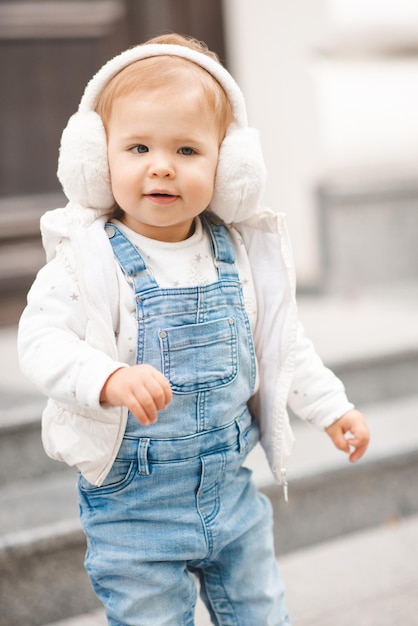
x=180 y=139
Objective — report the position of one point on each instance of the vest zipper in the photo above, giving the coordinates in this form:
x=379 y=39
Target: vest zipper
x=284 y=485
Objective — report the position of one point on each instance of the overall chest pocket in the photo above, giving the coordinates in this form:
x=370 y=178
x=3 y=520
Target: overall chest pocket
x=199 y=357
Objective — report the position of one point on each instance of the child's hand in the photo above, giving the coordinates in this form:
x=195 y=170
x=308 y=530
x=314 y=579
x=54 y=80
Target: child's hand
x=141 y=388
x=350 y=433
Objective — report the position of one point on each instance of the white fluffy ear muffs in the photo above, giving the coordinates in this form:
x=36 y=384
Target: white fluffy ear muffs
x=240 y=176
x=83 y=167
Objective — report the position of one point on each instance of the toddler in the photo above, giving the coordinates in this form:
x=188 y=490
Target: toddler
x=164 y=331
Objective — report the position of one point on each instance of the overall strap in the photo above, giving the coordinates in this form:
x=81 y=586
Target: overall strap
x=223 y=249
x=130 y=259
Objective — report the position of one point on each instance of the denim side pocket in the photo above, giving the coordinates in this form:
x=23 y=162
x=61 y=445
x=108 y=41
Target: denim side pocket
x=119 y=477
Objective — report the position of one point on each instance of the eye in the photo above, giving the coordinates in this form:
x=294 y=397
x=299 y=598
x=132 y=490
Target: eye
x=187 y=151
x=139 y=149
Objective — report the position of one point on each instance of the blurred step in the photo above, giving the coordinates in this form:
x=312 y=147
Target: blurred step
x=95 y=618
x=21 y=252
x=19 y=263
x=20 y=215
x=32 y=509
x=372 y=576
x=21 y=453
x=42 y=550
x=368 y=224
x=329 y=497
x=368 y=337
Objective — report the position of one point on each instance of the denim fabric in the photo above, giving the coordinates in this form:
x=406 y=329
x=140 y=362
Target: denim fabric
x=177 y=503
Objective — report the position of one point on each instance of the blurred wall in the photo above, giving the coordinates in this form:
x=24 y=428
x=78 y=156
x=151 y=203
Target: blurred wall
x=270 y=46
x=332 y=86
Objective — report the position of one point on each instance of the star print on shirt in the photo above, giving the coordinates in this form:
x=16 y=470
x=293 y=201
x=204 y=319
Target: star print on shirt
x=74 y=297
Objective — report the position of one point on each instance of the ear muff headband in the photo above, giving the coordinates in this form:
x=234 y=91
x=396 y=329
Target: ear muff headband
x=111 y=68
x=83 y=168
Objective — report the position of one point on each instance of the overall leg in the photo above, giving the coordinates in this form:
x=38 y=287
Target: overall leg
x=140 y=536
x=242 y=586
x=155 y=593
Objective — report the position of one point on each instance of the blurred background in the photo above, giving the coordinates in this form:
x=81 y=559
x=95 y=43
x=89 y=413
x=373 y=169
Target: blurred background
x=332 y=86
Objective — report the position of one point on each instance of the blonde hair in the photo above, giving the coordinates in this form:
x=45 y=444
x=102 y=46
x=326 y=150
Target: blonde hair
x=162 y=73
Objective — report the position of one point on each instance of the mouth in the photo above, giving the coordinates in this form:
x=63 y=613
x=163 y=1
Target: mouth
x=161 y=197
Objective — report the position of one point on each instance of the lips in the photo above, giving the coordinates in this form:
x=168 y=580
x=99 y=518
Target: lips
x=161 y=197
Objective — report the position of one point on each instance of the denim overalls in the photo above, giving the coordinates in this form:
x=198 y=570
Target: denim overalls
x=177 y=500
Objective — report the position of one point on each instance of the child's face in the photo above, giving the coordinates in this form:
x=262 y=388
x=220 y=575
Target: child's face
x=163 y=153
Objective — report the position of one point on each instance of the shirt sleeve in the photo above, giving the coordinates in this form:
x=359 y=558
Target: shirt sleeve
x=316 y=394
x=53 y=340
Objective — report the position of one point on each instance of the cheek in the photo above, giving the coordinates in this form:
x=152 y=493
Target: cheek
x=203 y=185
x=210 y=170
x=120 y=174
x=122 y=190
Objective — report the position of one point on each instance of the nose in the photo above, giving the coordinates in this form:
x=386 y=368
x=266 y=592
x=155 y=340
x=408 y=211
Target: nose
x=162 y=166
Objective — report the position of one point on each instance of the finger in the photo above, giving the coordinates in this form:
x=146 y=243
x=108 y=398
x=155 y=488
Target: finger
x=338 y=438
x=143 y=408
x=168 y=394
x=160 y=392
x=139 y=413
x=164 y=388
x=358 y=446
x=342 y=444
x=357 y=453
